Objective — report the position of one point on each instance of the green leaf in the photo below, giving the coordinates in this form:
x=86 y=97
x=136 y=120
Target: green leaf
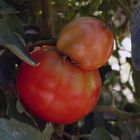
x=21 y=53
x=14 y=130
x=11 y=30
x=47 y=132
x=20 y=107
x=13 y=112
x=100 y=134
x=84 y=10
x=96 y=4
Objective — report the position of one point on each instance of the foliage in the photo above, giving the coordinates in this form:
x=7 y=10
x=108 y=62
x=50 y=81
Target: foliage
x=26 y=24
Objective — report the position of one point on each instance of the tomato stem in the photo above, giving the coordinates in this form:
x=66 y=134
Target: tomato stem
x=59 y=129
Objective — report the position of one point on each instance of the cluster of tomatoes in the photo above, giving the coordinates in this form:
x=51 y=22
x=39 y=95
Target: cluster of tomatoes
x=66 y=85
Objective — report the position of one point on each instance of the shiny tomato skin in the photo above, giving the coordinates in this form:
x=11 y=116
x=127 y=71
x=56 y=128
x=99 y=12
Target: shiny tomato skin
x=87 y=41
x=57 y=90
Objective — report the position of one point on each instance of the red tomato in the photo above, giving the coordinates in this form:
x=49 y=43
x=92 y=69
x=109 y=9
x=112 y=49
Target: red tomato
x=57 y=90
x=87 y=41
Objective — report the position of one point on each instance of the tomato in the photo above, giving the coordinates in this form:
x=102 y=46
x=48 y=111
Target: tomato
x=87 y=41
x=57 y=90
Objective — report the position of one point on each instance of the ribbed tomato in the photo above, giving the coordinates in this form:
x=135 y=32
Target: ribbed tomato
x=87 y=41
x=57 y=90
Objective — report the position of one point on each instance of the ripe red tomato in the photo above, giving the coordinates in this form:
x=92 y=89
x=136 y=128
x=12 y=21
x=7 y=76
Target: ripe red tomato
x=57 y=90
x=87 y=41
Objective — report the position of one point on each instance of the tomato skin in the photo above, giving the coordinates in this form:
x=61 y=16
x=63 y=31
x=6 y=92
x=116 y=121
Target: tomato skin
x=86 y=41
x=56 y=90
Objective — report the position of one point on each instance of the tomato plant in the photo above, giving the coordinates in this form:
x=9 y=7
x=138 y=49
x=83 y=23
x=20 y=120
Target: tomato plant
x=57 y=90
x=88 y=41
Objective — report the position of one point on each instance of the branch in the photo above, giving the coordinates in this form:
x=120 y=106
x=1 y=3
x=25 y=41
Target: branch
x=47 y=19
x=59 y=130
x=71 y=137
x=125 y=8
x=41 y=43
x=122 y=115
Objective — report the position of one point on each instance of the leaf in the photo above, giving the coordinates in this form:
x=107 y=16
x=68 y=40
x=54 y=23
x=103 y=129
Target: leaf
x=12 y=112
x=84 y=10
x=100 y=134
x=48 y=131
x=6 y=8
x=135 y=37
x=21 y=53
x=20 y=107
x=96 y=4
x=10 y=30
x=14 y=130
